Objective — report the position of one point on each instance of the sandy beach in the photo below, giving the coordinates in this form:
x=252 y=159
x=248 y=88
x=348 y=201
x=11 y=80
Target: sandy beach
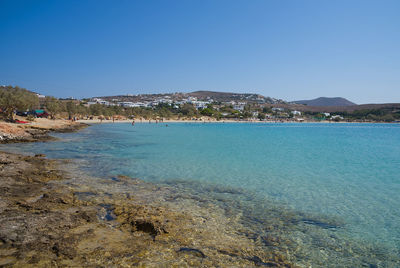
x=204 y=120
x=37 y=130
x=199 y=121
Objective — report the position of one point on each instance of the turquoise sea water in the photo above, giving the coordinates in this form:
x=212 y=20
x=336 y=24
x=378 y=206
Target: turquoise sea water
x=347 y=172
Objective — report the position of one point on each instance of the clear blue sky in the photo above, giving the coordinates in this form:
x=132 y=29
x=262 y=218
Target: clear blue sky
x=279 y=48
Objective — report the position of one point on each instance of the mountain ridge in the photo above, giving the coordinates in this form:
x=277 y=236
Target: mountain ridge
x=326 y=101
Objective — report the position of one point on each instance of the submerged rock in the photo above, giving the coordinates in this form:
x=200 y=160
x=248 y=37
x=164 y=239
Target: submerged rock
x=51 y=219
x=321 y=224
x=194 y=251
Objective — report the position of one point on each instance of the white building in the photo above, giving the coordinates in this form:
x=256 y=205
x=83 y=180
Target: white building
x=133 y=104
x=191 y=99
x=98 y=101
x=139 y=104
x=296 y=112
x=126 y=104
x=239 y=106
x=200 y=104
x=337 y=117
x=165 y=101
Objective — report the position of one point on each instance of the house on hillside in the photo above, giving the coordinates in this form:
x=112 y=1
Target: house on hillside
x=200 y=104
x=98 y=101
x=337 y=117
x=125 y=104
x=239 y=106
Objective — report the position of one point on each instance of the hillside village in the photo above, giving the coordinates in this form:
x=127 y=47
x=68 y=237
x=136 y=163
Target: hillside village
x=199 y=99
x=199 y=105
x=226 y=105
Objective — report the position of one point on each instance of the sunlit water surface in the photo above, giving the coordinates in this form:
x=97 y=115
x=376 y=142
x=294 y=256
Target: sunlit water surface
x=349 y=172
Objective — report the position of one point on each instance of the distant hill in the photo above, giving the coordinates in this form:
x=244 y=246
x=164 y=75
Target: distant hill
x=324 y=101
x=200 y=95
x=230 y=96
x=395 y=107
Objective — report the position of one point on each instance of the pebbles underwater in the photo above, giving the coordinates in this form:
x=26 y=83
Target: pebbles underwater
x=212 y=225
x=52 y=217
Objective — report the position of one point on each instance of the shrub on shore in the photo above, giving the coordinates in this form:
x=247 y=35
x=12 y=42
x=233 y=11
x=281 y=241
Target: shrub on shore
x=16 y=98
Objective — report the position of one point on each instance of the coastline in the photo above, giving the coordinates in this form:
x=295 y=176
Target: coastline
x=97 y=121
x=50 y=217
x=63 y=217
x=39 y=130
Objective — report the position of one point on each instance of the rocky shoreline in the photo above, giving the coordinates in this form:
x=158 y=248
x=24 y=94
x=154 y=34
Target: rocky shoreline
x=51 y=218
x=54 y=215
x=13 y=133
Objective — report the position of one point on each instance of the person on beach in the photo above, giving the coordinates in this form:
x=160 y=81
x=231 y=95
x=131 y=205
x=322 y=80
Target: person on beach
x=133 y=122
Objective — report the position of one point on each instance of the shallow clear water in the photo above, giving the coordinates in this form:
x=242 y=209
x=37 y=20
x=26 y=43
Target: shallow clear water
x=349 y=172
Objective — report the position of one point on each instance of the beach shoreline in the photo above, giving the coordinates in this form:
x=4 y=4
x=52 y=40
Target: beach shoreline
x=165 y=121
x=50 y=217
x=37 y=130
x=65 y=217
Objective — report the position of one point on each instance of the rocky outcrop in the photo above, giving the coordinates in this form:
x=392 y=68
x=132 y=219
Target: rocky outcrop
x=12 y=133
x=49 y=219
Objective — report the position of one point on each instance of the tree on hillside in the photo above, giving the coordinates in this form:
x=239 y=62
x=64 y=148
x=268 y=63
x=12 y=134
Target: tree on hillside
x=95 y=109
x=81 y=109
x=164 y=113
x=53 y=106
x=207 y=111
x=71 y=109
x=246 y=114
x=16 y=98
x=267 y=110
x=188 y=110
